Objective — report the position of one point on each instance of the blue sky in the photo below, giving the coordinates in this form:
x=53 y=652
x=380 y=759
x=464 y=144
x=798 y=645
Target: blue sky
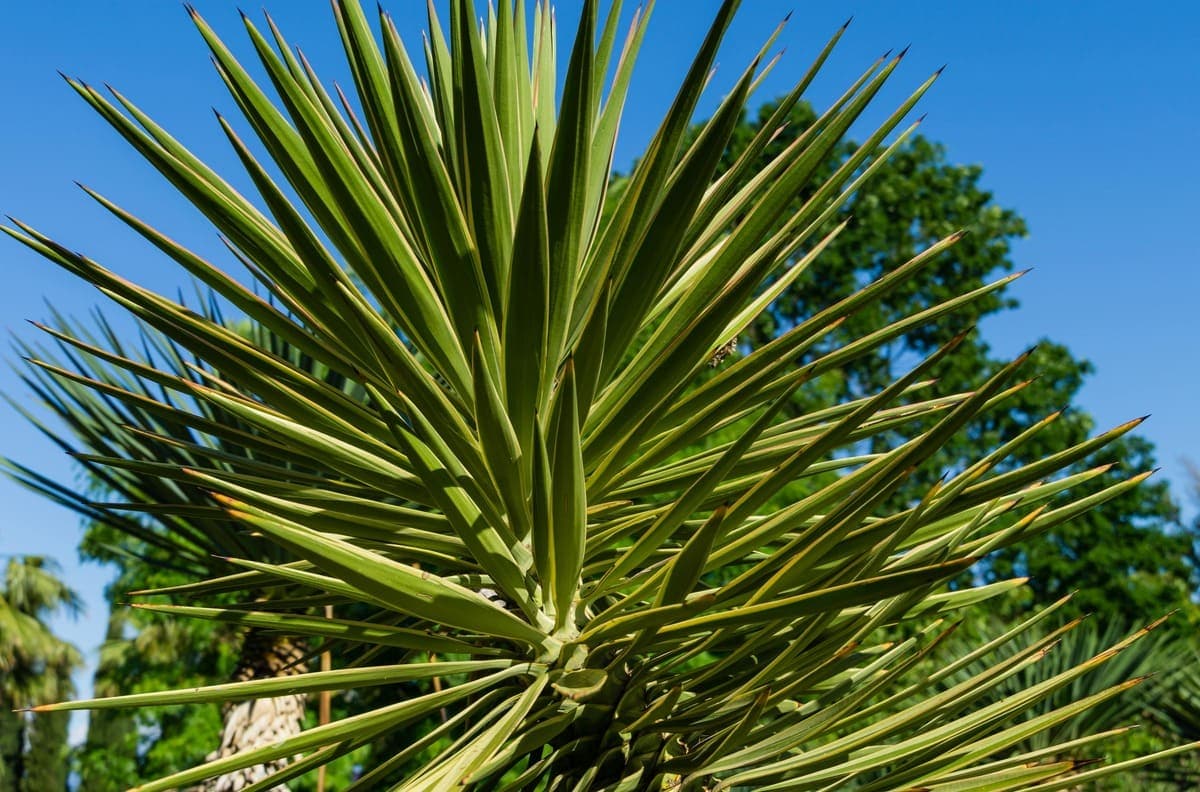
x=1084 y=116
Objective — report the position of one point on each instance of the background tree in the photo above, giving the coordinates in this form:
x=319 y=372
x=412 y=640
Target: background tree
x=35 y=668
x=1128 y=559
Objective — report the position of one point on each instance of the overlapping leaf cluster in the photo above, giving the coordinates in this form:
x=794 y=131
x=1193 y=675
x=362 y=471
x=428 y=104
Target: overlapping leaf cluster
x=474 y=404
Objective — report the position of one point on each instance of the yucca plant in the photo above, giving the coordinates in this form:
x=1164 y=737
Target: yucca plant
x=516 y=469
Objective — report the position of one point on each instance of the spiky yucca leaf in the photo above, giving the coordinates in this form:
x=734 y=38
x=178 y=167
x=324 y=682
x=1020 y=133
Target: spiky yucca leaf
x=502 y=452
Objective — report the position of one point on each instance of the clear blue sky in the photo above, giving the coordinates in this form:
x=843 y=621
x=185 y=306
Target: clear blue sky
x=1084 y=116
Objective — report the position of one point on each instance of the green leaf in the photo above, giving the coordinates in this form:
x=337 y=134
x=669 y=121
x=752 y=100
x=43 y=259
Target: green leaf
x=568 y=503
x=391 y=716
x=286 y=685
x=403 y=588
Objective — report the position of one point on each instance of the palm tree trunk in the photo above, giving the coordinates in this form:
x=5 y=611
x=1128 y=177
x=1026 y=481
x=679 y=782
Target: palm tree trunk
x=324 y=701
x=256 y=723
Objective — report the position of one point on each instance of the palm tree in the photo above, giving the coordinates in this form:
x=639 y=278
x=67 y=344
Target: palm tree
x=35 y=668
x=508 y=447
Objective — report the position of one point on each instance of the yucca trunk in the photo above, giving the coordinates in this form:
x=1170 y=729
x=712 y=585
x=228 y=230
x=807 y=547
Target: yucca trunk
x=260 y=722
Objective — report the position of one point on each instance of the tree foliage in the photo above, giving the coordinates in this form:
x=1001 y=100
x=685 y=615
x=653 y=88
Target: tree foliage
x=35 y=668
x=1129 y=561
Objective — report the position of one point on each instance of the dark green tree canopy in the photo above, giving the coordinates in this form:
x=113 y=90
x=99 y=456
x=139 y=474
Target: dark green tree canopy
x=1128 y=559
